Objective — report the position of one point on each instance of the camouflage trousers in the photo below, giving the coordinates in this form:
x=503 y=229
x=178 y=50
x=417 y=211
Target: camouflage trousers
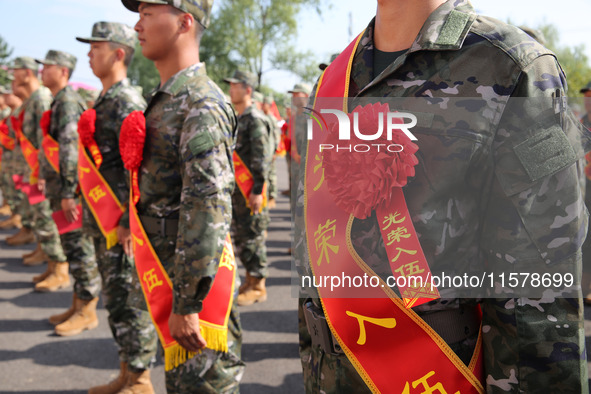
x=249 y=236
x=79 y=250
x=129 y=318
x=44 y=227
x=211 y=371
x=528 y=347
x=9 y=194
x=273 y=180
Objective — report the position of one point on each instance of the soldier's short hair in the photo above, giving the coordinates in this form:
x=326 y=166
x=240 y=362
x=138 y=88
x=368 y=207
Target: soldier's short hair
x=128 y=52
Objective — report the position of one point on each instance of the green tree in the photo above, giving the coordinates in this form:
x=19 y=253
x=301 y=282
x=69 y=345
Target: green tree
x=5 y=53
x=142 y=72
x=257 y=35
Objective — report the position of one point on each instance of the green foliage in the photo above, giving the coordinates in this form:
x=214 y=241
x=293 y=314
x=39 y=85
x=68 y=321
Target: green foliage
x=257 y=35
x=142 y=72
x=5 y=53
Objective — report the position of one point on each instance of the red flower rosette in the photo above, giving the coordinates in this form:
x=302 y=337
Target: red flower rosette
x=45 y=122
x=364 y=181
x=131 y=146
x=86 y=130
x=4 y=129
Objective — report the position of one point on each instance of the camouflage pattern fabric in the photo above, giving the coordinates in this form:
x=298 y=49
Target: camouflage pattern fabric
x=78 y=247
x=274 y=139
x=43 y=225
x=129 y=319
x=111 y=109
x=187 y=174
x=9 y=193
x=253 y=147
x=530 y=345
x=17 y=166
x=65 y=112
x=587 y=244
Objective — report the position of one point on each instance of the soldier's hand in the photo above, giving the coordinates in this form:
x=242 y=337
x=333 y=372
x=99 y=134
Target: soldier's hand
x=256 y=203
x=41 y=185
x=69 y=206
x=185 y=330
x=124 y=235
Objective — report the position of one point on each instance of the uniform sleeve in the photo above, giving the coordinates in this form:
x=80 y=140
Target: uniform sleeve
x=535 y=223
x=259 y=160
x=68 y=147
x=205 y=207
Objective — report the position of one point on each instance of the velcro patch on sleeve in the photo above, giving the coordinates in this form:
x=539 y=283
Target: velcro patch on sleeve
x=545 y=153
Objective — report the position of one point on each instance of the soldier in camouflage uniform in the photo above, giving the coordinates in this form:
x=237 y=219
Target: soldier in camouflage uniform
x=186 y=180
x=14 y=165
x=472 y=186
x=62 y=190
x=111 y=50
x=8 y=192
x=250 y=217
x=38 y=101
x=274 y=139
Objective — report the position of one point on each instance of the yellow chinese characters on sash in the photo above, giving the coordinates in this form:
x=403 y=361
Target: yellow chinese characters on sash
x=157 y=289
x=244 y=180
x=390 y=346
x=103 y=204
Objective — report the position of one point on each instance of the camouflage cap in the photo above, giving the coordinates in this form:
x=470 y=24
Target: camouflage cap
x=323 y=66
x=200 y=9
x=268 y=100
x=258 y=97
x=301 y=88
x=586 y=88
x=59 y=58
x=243 y=76
x=111 y=32
x=24 y=62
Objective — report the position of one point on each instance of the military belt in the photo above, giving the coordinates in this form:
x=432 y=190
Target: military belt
x=319 y=331
x=454 y=325
x=165 y=227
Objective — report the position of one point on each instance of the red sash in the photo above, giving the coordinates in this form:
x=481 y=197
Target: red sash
x=5 y=140
x=49 y=144
x=244 y=180
x=29 y=151
x=104 y=205
x=376 y=326
x=156 y=284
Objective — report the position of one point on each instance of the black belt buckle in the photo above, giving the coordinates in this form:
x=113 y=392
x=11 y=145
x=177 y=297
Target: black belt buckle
x=319 y=331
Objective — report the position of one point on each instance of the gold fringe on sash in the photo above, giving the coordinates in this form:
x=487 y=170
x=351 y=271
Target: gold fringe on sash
x=216 y=338
x=111 y=238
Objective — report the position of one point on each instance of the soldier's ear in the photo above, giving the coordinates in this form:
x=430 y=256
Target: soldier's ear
x=120 y=54
x=186 y=22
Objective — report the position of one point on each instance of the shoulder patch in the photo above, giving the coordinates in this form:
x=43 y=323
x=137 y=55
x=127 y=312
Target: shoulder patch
x=201 y=143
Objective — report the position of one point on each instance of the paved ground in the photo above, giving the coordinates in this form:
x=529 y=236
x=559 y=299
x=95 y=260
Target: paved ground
x=34 y=360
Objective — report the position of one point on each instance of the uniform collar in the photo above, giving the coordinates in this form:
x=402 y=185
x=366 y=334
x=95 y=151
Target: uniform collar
x=445 y=29
x=175 y=84
x=113 y=91
x=61 y=93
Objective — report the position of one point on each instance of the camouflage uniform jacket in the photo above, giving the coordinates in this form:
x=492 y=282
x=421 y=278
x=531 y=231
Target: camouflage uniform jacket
x=252 y=145
x=187 y=173
x=112 y=108
x=17 y=162
x=475 y=199
x=65 y=112
x=34 y=106
x=274 y=135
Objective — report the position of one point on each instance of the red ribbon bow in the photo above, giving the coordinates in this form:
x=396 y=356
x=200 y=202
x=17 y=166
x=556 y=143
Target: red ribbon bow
x=86 y=130
x=131 y=146
x=45 y=122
